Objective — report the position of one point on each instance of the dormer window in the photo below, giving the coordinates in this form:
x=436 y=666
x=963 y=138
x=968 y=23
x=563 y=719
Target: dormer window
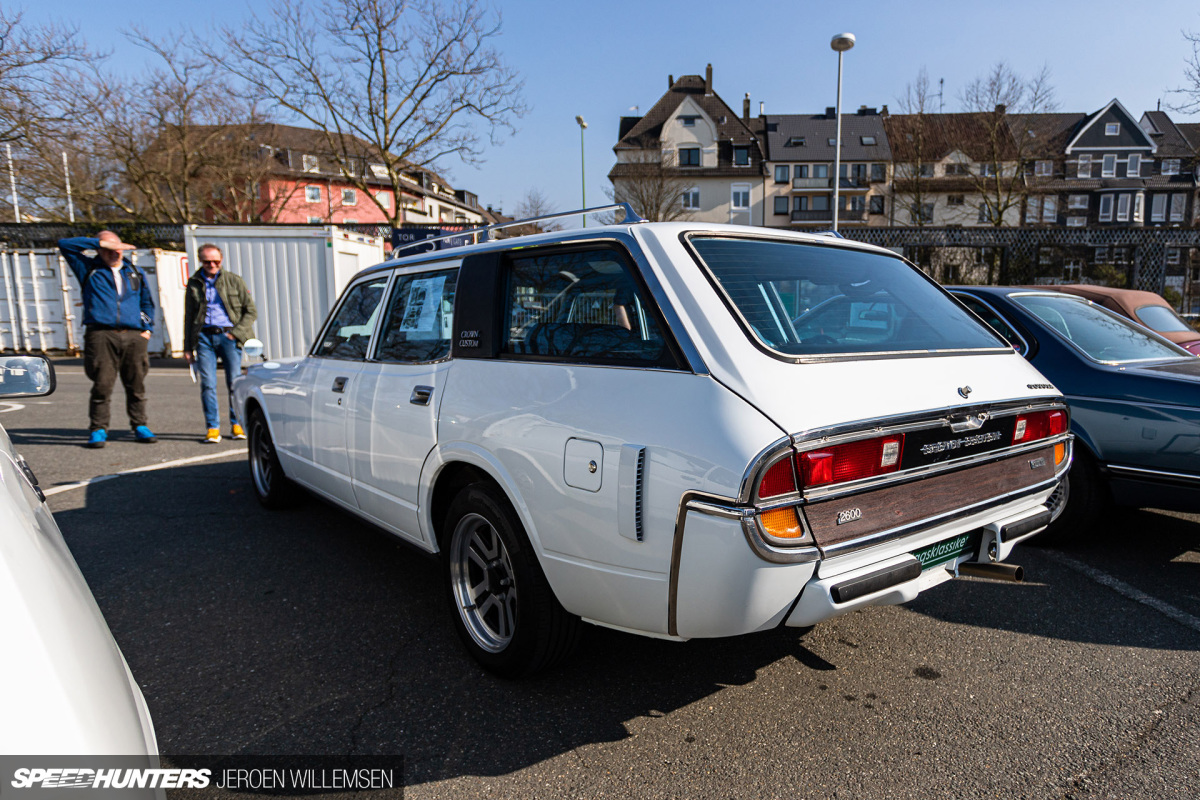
x=1112 y=129
x=1170 y=166
x=832 y=142
x=795 y=141
x=741 y=155
x=688 y=121
x=309 y=163
x=689 y=156
x=867 y=140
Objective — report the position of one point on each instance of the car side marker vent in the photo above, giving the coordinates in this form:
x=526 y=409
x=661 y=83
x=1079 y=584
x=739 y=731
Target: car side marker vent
x=631 y=482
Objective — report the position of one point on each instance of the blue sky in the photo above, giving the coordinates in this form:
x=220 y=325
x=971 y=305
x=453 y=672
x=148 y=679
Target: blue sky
x=599 y=59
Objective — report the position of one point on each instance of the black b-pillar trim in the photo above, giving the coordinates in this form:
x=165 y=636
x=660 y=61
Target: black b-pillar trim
x=478 y=306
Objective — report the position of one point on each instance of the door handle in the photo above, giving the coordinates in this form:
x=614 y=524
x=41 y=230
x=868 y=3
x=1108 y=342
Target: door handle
x=339 y=384
x=421 y=395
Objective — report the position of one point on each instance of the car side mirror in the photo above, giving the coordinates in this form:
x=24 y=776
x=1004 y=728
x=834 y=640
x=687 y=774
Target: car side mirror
x=26 y=376
x=253 y=348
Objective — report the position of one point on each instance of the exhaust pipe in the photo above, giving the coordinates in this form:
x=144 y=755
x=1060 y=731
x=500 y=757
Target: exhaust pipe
x=997 y=572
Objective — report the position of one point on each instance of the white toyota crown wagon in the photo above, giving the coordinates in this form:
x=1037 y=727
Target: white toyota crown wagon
x=673 y=429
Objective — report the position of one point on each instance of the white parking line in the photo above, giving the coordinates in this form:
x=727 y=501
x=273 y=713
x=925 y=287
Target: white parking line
x=1122 y=588
x=10 y=406
x=173 y=372
x=150 y=468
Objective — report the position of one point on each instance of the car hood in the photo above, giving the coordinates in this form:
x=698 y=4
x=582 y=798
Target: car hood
x=64 y=685
x=802 y=397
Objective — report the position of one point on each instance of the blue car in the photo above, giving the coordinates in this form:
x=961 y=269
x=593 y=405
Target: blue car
x=1134 y=399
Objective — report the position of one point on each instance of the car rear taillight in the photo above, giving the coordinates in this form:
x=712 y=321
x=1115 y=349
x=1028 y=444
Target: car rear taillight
x=1039 y=425
x=851 y=461
x=778 y=480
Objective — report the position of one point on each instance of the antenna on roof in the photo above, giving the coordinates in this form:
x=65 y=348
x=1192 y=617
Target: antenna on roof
x=941 y=93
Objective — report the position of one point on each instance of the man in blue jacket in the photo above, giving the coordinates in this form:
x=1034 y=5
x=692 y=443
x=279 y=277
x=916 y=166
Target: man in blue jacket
x=118 y=316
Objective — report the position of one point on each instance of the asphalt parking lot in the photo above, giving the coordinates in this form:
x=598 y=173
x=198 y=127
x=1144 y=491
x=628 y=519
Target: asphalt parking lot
x=308 y=632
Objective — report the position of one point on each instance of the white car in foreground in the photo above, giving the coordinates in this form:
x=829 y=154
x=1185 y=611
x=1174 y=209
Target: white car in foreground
x=678 y=430
x=65 y=689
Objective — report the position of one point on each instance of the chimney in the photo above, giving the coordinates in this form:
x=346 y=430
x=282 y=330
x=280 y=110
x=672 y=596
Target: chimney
x=746 y=107
x=1000 y=108
x=884 y=112
x=830 y=112
x=670 y=81
x=762 y=108
x=708 y=80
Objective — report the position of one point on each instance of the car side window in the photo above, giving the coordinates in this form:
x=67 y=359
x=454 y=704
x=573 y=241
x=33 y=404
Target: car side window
x=419 y=318
x=985 y=312
x=581 y=306
x=350 y=329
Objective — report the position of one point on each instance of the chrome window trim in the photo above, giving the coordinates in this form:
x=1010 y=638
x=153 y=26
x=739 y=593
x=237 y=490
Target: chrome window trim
x=1138 y=472
x=397 y=276
x=1024 y=344
x=361 y=278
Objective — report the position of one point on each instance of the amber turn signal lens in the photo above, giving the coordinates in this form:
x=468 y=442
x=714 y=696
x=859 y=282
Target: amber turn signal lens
x=1060 y=452
x=782 y=523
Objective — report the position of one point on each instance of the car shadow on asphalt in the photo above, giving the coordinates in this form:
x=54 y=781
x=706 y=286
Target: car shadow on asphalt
x=307 y=631
x=78 y=437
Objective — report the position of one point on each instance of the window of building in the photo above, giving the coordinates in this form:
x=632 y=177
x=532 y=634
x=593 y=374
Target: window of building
x=385 y=200
x=309 y=163
x=794 y=141
x=1033 y=209
x=800 y=203
x=781 y=205
x=1178 y=201
x=1077 y=201
x=315 y=220
x=691 y=199
x=1084 y=169
x=1112 y=128
x=688 y=121
x=1106 y=208
x=349 y=197
x=1076 y=222
x=926 y=171
x=985 y=214
x=1139 y=202
x=875 y=204
x=1134 y=168
x=1158 y=208
x=1123 y=208
x=867 y=140
x=879 y=172
x=955 y=199
x=1109 y=167
x=689 y=156
x=820 y=171
x=858 y=203
x=820 y=203
x=1173 y=256
x=1049 y=209
x=958 y=169
x=1170 y=166
x=740 y=197
x=741 y=155
x=350 y=221
x=1043 y=169
x=801 y=171
x=1120 y=255
x=312 y=194
x=1102 y=255
x=921 y=213
x=987 y=170
x=782 y=173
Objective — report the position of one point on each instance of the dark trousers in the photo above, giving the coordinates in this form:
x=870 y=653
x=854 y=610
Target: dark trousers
x=107 y=354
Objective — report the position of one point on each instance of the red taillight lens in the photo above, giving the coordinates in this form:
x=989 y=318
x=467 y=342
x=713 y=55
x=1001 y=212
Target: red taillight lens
x=851 y=461
x=1039 y=425
x=779 y=479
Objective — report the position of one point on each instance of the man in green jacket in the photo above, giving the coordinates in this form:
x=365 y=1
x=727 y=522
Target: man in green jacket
x=218 y=318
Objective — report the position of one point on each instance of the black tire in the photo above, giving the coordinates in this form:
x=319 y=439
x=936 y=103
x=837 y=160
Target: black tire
x=504 y=609
x=272 y=488
x=1086 y=499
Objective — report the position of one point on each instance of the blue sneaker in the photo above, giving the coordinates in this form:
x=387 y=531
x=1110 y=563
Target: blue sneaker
x=98 y=438
x=144 y=435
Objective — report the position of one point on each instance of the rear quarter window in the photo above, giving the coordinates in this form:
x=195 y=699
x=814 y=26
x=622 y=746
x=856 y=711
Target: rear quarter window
x=804 y=299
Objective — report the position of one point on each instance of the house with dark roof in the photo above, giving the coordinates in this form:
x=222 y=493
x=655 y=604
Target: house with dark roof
x=800 y=150
x=300 y=179
x=691 y=157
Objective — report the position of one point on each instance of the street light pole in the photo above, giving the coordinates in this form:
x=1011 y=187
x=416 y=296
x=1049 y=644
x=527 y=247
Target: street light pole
x=841 y=43
x=582 y=168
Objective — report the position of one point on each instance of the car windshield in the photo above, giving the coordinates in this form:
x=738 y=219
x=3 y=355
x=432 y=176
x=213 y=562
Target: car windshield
x=1099 y=333
x=802 y=299
x=1161 y=318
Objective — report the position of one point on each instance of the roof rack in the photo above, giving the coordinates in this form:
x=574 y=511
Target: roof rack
x=483 y=234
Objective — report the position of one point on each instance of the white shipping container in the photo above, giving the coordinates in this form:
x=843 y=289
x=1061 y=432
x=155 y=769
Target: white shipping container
x=294 y=274
x=41 y=306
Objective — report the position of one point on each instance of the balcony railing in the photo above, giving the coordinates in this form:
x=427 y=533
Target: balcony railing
x=852 y=215
x=811 y=183
x=857 y=183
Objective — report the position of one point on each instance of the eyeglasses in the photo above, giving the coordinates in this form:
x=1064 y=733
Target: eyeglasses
x=217 y=262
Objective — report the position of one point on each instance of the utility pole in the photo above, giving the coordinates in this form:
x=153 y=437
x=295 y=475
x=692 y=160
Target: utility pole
x=12 y=182
x=67 y=178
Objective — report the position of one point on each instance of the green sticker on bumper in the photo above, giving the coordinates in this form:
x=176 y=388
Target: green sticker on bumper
x=947 y=550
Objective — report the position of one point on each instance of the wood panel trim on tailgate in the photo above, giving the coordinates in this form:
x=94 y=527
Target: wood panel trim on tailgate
x=908 y=503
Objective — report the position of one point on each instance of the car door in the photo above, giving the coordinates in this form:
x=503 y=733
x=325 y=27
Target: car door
x=335 y=365
x=395 y=398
